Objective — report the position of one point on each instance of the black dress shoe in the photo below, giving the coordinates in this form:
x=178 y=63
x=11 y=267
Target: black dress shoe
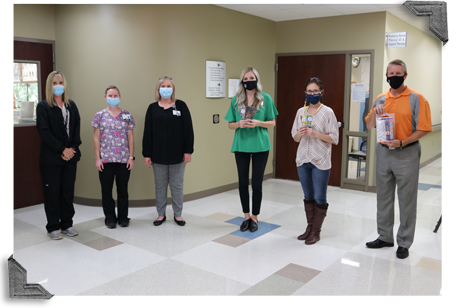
x=379 y=244
x=402 y=252
x=245 y=225
x=159 y=222
x=180 y=222
x=253 y=226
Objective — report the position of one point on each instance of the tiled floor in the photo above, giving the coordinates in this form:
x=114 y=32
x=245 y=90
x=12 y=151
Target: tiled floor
x=210 y=256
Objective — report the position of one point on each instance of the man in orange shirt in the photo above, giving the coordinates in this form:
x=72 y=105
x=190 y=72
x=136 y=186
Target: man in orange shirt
x=398 y=160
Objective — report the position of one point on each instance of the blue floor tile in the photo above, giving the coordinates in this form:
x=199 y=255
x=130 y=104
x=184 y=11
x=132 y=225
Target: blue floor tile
x=264 y=227
x=427 y=186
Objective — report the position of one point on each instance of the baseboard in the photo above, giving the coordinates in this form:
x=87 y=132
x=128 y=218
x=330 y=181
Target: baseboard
x=425 y=163
x=152 y=202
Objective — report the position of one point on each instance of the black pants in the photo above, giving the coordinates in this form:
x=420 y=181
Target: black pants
x=259 y=162
x=122 y=175
x=58 y=183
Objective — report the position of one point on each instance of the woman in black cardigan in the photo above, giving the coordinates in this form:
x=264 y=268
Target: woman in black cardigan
x=168 y=142
x=58 y=125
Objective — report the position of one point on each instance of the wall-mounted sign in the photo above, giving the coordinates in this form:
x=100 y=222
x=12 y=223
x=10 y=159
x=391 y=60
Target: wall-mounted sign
x=397 y=39
x=215 y=79
x=358 y=92
x=233 y=85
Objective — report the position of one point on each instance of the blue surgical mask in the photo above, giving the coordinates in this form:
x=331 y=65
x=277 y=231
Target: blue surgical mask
x=166 y=92
x=58 y=90
x=313 y=99
x=113 y=102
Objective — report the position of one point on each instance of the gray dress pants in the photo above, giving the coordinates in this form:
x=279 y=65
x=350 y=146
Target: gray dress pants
x=397 y=168
x=172 y=175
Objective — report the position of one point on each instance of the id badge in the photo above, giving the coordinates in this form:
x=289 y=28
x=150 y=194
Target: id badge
x=126 y=117
x=177 y=113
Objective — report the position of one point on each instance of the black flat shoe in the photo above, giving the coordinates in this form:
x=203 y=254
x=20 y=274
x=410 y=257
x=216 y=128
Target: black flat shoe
x=253 y=226
x=124 y=223
x=245 y=225
x=379 y=244
x=180 y=222
x=159 y=222
x=111 y=225
x=402 y=252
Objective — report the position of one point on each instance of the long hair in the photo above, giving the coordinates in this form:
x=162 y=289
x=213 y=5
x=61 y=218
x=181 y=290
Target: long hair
x=49 y=86
x=241 y=93
x=159 y=83
x=316 y=81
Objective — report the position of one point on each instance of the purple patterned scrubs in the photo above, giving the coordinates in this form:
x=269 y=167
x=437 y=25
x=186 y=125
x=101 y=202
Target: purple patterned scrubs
x=114 y=144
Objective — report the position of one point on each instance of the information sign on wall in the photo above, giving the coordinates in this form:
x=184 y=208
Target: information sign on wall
x=397 y=39
x=215 y=79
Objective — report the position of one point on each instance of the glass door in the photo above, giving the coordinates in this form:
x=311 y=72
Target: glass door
x=355 y=133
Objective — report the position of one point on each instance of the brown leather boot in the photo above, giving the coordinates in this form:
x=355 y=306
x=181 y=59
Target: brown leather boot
x=309 y=210
x=320 y=211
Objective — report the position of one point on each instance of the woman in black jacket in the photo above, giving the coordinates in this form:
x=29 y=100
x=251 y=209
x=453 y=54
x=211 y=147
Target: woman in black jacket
x=168 y=142
x=58 y=125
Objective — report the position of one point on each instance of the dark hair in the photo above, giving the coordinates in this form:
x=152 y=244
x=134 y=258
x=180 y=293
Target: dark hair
x=317 y=81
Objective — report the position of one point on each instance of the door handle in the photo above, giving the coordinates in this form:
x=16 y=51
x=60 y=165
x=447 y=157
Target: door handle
x=340 y=124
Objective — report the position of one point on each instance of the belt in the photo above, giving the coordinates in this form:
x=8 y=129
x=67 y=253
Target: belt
x=405 y=146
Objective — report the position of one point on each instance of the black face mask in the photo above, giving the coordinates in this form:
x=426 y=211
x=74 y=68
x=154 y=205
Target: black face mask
x=395 y=81
x=249 y=85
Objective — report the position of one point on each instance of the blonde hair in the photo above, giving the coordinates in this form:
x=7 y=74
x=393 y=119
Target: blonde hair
x=397 y=62
x=241 y=93
x=49 y=86
x=112 y=87
x=159 y=83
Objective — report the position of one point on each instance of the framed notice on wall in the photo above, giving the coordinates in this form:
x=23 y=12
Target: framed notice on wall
x=233 y=85
x=215 y=79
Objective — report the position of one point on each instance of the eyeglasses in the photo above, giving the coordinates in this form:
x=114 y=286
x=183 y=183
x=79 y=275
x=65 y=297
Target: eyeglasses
x=313 y=92
x=163 y=77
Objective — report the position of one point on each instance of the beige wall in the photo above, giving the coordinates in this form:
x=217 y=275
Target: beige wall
x=341 y=33
x=423 y=58
x=367 y=31
x=34 y=21
x=131 y=46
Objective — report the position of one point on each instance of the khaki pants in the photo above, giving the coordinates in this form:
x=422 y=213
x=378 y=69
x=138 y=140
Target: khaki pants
x=397 y=168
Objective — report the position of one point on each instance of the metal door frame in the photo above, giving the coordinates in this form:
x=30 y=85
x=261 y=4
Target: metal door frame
x=344 y=182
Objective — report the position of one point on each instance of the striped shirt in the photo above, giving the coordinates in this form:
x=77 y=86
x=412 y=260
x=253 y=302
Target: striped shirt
x=312 y=149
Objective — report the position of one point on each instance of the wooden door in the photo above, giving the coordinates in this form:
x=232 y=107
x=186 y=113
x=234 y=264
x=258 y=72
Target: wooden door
x=35 y=51
x=293 y=73
x=27 y=181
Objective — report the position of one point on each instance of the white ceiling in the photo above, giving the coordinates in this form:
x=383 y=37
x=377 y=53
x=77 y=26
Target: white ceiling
x=284 y=12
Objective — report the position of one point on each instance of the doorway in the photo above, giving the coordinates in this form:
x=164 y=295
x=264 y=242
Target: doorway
x=293 y=71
